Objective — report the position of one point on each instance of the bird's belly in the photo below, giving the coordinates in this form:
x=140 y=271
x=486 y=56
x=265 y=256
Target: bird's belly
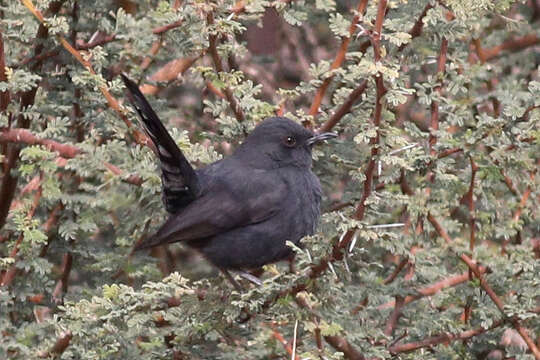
x=246 y=248
x=262 y=243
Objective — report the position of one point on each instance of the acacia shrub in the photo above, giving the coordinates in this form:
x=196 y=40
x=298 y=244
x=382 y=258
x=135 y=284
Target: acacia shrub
x=428 y=246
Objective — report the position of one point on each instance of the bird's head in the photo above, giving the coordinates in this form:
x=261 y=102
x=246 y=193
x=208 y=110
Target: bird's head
x=279 y=142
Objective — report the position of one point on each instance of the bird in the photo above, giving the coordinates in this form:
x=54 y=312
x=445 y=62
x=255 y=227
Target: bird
x=240 y=211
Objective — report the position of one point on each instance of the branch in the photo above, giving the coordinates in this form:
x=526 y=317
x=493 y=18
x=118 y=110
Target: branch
x=483 y=283
x=24 y=136
x=345 y=108
x=394 y=317
x=340 y=56
x=212 y=49
x=337 y=342
x=434 y=124
x=440 y=339
x=283 y=342
x=138 y=136
x=168 y=72
x=9 y=181
x=514 y=45
x=10 y=274
x=434 y=288
x=59 y=346
x=341 y=344
x=100 y=38
x=4 y=95
x=416 y=30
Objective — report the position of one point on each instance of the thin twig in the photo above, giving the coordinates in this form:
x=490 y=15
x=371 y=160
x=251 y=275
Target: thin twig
x=24 y=136
x=338 y=60
x=212 y=49
x=138 y=136
x=345 y=108
x=394 y=317
x=441 y=339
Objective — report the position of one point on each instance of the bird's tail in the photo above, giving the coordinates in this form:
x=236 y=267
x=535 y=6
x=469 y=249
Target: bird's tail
x=180 y=184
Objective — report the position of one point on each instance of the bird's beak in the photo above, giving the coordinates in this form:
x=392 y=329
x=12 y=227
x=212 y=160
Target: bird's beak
x=320 y=137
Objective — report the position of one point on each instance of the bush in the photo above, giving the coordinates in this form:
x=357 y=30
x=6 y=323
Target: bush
x=428 y=246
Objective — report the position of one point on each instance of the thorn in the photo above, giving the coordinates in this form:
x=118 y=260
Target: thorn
x=293 y=355
x=333 y=270
x=353 y=242
x=402 y=149
x=382 y=226
x=346 y=265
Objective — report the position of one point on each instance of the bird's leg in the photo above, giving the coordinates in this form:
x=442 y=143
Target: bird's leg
x=234 y=283
x=250 y=277
x=292 y=265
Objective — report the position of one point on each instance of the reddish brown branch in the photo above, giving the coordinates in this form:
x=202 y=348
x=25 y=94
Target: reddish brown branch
x=498 y=302
x=448 y=152
x=10 y=274
x=394 y=317
x=98 y=40
x=277 y=335
x=440 y=339
x=59 y=346
x=523 y=200
x=4 y=95
x=434 y=124
x=218 y=64
x=9 y=181
x=514 y=45
x=62 y=285
x=24 y=136
x=396 y=271
x=340 y=56
x=434 y=288
x=168 y=72
x=132 y=179
x=468 y=199
x=138 y=136
x=345 y=108
x=416 y=30
x=341 y=344
x=483 y=283
x=101 y=38
x=161 y=29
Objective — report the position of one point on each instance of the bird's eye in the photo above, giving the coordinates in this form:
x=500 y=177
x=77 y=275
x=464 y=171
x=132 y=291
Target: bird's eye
x=290 y=141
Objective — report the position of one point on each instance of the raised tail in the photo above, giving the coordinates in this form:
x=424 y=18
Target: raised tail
x=179 y=179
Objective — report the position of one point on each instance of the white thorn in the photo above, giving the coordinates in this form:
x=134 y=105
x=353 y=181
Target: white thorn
x=346 y=265
x=353 y=242
x=382 y=226
x=332 y=269
x=293 y=355
x=402 y=149
x=309 y=256
x=341 y=237
x=379 y=168
x=229 y=18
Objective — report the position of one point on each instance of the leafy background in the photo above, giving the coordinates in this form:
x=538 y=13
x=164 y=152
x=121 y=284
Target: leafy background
x=428 y=247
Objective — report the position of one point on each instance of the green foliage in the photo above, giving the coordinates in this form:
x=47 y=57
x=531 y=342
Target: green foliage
x=74 y=229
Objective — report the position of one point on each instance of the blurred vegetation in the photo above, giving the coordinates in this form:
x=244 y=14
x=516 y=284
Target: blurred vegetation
x=429 y=245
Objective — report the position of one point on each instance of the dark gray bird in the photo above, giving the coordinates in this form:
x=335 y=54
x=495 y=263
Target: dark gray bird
x=239 y=211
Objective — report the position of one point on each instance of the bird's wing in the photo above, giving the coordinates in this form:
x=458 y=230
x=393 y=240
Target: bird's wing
x=179 y=180
x=231 y=202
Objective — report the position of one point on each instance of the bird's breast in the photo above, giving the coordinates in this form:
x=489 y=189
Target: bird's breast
x=304 y=200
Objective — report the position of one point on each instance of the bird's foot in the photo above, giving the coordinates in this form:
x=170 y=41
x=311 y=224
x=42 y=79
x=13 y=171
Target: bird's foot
x=250 y=277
